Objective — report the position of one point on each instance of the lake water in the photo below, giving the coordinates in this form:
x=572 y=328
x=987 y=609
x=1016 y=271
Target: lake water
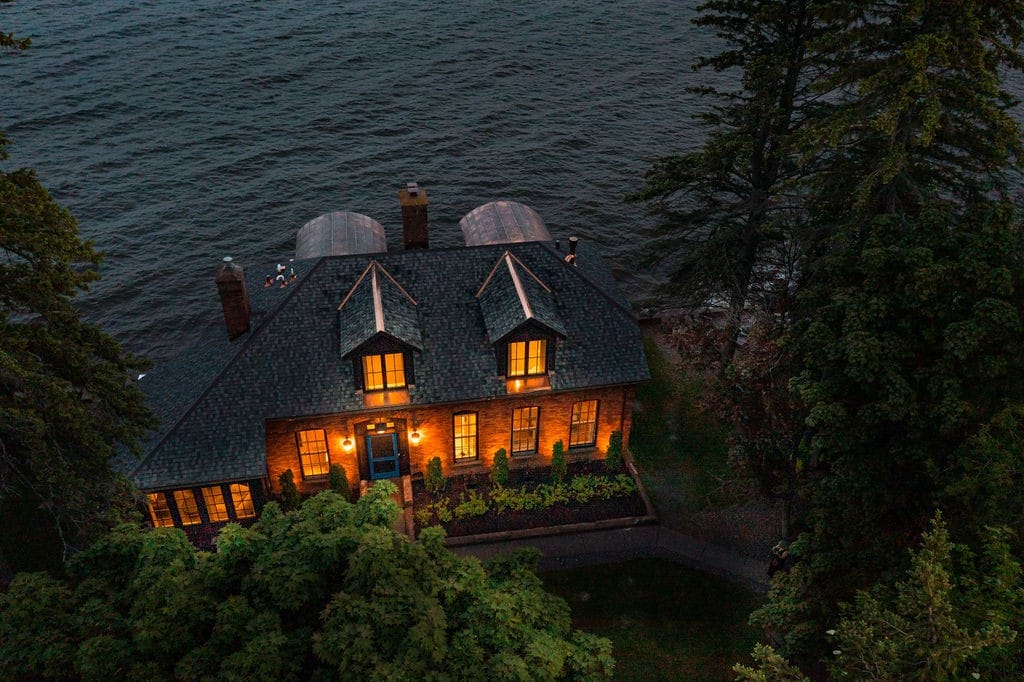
x=180 y=132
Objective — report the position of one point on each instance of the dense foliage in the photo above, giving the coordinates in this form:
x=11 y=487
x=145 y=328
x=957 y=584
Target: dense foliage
x=328 y=591
x=891 y=385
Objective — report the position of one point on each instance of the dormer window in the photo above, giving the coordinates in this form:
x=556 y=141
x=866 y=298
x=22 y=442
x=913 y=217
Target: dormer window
x=383 y=371
x=527 y=358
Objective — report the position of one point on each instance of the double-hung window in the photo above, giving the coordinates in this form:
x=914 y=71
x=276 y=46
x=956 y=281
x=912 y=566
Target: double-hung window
x=524 y=430
x=313 y=453
x=383 y=371
x=160 y=511
x=216 y=508
x=464 y=429
x=527 y=358
x=241 y=499
x=188 y=510
x=583 y=424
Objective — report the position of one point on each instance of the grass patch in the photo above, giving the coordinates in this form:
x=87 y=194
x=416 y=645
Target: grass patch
x=681 y=448
x=666 y=621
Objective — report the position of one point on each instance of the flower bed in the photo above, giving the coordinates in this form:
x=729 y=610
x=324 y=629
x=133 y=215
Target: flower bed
x=473 y=504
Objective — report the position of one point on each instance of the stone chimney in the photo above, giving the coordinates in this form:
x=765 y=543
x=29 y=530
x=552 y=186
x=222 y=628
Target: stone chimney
x=414 y=216
x=234 y=298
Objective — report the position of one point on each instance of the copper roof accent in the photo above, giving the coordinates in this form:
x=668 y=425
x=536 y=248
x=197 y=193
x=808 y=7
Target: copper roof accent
x=503 y=222
x=341 y=233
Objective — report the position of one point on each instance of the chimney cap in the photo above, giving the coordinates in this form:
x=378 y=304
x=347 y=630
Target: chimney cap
x=412 y=188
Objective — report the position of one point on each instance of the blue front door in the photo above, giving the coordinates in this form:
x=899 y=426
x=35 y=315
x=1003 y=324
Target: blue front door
x=382 y=452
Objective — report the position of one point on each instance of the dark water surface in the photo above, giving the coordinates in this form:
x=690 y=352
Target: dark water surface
x=179 y=132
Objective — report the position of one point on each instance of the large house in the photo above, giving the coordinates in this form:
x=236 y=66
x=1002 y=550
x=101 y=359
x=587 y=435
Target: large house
x=381 y=360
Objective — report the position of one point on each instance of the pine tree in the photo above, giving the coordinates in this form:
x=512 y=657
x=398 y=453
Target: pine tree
x=909 y=331
x=726 y=214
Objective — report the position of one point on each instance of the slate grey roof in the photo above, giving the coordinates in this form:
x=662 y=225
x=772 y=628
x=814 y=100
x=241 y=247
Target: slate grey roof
x=511 y=296
x=375 y=304
x=215 y=399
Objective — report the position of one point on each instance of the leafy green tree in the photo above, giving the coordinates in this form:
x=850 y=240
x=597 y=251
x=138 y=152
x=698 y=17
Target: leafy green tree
x=327 y=591
x=613 y=458
x=726 y=211
x=66 y=404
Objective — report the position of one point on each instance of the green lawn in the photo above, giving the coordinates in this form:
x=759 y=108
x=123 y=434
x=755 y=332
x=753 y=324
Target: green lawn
x=681 y=449
x=666 y=621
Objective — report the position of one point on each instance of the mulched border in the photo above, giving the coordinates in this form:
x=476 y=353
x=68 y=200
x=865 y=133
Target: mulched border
x=557 y=515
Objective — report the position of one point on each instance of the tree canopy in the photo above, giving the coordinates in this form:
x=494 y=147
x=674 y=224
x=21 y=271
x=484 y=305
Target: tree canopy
x=327 y=591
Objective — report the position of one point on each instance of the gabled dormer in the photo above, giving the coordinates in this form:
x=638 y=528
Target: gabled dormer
x=380 y=332
x=522 y=324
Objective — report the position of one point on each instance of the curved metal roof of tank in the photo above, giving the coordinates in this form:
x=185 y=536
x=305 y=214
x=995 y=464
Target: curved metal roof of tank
x=341 y=233
x=503 y=222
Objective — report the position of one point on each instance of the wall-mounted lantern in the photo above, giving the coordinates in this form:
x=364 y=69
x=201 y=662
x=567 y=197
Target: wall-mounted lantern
x=347 y=444
x=414 y=437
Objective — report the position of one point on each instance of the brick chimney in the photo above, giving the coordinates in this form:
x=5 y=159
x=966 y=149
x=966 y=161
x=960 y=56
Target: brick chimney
x=234 y=298
x=414 y=216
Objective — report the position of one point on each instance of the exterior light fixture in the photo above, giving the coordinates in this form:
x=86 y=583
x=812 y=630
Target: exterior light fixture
x=347 y=444
x=415 y=437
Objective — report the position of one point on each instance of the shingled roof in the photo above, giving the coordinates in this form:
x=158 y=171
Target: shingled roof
x=377 y=304
x=215 y=399
x=512 y=296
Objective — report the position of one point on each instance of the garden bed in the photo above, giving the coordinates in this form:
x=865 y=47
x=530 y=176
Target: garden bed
x=533 y=486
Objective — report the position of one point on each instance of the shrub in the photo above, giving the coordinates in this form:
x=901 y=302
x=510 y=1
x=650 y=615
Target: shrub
x=583 y=488
x=499 y=470
x=613 y=458
x=474 y=505
x=434 y=478
x=558 y=462
x=623 y=485
x=550 y=495
x=338 y=479
x=290 y=499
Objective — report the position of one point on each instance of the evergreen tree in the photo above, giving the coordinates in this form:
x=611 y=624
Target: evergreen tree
x=726 y=212
x=908 y=330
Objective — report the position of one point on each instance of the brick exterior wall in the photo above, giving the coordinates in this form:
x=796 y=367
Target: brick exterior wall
x=434 y=423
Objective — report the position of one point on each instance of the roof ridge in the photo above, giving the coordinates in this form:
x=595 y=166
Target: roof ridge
x=523 y=301
x=228 y=365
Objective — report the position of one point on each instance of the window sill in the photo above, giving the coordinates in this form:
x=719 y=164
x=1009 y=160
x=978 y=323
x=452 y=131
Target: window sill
x=397 y=396
x=466 y=462
x=527 y=384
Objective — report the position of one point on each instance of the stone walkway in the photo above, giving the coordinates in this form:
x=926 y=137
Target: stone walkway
x=623 y=544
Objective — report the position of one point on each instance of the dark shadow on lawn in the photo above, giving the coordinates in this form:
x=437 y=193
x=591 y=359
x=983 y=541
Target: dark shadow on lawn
x=666 y=621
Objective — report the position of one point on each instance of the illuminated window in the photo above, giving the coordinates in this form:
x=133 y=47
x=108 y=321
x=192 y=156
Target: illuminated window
x=215 y=505
x=241 y=498
x=313 y=453
x=527 y=358
x=159 y=511
x=583 y=425
x=465 y=436
x=524 y=430
x=188 y=510
x=384 y=371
